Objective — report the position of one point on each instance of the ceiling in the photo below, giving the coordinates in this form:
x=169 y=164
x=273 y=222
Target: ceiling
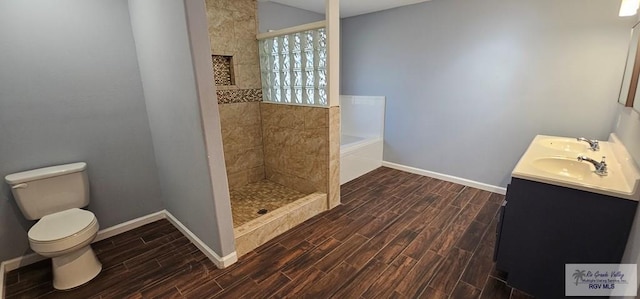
x=348 y=8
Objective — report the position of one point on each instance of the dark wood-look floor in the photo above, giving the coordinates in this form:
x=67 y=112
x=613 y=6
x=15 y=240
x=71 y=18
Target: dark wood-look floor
x=396 y=235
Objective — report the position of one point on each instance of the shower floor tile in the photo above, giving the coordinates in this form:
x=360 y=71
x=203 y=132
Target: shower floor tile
x=266 y=195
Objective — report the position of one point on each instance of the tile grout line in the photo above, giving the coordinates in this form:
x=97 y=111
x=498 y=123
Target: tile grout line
x=444 y=257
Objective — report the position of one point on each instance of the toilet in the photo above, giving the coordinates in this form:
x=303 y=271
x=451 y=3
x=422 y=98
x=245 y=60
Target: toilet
x=54 y=196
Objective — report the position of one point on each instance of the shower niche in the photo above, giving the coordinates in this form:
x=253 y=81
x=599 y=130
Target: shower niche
x=223 y=70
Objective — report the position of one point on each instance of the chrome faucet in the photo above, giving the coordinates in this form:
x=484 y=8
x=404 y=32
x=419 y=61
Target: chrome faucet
x=595 y=146
x=601 y=167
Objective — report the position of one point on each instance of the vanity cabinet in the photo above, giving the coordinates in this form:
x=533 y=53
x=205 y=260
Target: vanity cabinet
x=543 y=227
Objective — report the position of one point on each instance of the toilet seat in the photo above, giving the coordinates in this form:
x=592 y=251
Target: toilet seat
x=63 y=231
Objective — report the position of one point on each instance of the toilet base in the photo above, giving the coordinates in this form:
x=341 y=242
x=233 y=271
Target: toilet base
x=75 y=268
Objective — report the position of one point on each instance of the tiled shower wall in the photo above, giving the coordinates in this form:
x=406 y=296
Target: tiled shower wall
x=296 y=146
x=232 y=31
x=242 y=142
x=286 y=144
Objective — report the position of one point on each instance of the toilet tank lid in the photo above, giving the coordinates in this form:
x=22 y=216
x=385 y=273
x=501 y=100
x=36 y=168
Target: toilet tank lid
x=43 y=173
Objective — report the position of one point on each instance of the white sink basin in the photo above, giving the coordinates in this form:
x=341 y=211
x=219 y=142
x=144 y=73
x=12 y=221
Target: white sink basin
x=563 y=144
x=564 y=167
x=553 y=160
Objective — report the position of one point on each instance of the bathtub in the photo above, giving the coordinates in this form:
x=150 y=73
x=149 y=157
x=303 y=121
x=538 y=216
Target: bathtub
x=359 y=155
x=362 y=135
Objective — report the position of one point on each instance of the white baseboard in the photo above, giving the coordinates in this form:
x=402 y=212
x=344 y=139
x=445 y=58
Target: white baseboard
x=220 y=262
x=12 y=264
x=129 y=225
x=33 y=257
x=446 y=177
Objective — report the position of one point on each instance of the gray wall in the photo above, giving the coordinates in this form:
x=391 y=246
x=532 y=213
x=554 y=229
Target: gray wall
x=470 y=83
x=171 y=93
x=70 y=90
x=274 y=16
x=198 y=25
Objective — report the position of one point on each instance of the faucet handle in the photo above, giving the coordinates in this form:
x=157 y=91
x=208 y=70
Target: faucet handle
x=601 y=168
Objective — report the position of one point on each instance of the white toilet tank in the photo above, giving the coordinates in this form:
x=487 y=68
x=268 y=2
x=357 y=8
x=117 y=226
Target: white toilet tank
x=48 y=190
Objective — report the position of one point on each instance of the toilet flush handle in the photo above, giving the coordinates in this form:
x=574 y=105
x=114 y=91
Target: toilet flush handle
x=20 y=186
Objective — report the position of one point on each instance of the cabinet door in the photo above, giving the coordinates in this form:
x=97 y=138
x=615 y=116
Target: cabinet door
x=545 y=227
x=504 y=247
x=499 y=229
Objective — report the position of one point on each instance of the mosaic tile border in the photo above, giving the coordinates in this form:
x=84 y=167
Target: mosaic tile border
x=232 y=96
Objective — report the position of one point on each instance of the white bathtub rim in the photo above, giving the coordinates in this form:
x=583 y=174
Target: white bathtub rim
x=354 y=146
x=344 y=137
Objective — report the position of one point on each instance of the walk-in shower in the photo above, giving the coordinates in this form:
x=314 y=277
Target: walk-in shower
x=275 y=118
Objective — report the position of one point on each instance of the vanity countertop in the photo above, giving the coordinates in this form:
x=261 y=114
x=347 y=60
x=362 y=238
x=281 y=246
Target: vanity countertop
x=553 y=160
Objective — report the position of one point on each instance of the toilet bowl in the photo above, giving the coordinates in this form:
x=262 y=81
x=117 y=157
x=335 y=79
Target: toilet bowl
x=54 y=196
x=65 y=237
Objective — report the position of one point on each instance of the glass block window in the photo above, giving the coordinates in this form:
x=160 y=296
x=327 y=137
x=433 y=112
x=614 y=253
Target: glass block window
x=293 y=68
